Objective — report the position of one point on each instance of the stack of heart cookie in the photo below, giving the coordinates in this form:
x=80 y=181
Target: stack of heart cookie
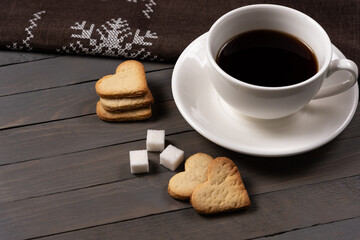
x=124 y=96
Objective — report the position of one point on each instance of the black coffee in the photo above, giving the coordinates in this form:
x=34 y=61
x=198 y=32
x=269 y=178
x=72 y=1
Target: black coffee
x=267 y=58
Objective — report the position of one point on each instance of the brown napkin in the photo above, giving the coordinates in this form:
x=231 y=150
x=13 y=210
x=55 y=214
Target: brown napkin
x=148 y=29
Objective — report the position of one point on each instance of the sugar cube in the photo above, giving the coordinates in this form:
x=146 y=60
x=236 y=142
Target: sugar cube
x=139 y=161
x=171 y=157
x=155 y=140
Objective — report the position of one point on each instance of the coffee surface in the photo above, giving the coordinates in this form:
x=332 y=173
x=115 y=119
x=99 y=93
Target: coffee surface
x=267 y=58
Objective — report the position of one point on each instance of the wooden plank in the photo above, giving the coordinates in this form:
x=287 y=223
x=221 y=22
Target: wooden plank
x=347 y=229
x=110 y=164
x=139 y=202
x=67 y=102
x=16 y=57
x=60 y=71
x=55 y=104
x=78 y=134
x=67 y=210
x=72 y=171
x=73 y=135
x=353 y=129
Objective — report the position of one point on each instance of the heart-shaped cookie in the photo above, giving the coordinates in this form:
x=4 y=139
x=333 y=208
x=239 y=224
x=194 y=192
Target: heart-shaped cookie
x=127 y=103
x=123 y=116
x=182 y=184
x=128 y=81
x=222 y=191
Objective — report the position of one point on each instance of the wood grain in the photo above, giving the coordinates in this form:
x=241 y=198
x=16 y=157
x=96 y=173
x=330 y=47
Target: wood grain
x=59 y=71
x=16 y=57
x=71 y=171
x=133 y=207
x=73 y=135
x=64 y=174
x=67 y=102
x=110 y=164
x=353 y=129
x=79 y=134
x=345 y=230
x=71 y=210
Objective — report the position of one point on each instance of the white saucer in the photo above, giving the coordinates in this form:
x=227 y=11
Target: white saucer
x=315 y=125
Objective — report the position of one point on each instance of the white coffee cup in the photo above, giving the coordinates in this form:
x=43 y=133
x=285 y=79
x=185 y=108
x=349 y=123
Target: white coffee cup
x=275 y=102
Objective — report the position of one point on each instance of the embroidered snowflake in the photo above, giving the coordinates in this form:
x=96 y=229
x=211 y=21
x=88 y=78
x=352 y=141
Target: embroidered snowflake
x=148 y=7
x=114 y=38
x=25 y=45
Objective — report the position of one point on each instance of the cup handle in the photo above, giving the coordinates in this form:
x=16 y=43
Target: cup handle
x=337 y=65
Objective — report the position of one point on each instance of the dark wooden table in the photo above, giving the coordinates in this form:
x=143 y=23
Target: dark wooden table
x=64 y=173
